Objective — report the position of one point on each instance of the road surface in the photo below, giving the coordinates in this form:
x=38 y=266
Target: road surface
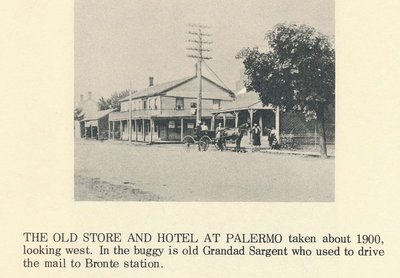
x=117 y=171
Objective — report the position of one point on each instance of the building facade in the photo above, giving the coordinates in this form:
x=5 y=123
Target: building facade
x=84 y=108
x=167 y=111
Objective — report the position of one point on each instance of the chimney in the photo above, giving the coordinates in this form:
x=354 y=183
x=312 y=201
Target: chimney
x=151 y=81
x=89 y=95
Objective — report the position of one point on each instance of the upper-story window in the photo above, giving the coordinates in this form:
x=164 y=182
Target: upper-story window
x=144 y=104
x=216 y=104
x=124 y=106
x=193 y=108
x=155 y=104
x=150 y=103
x=179 y=103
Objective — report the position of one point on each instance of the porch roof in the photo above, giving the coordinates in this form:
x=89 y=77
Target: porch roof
x=244 y=101
x=97 y=115
x=155 y=114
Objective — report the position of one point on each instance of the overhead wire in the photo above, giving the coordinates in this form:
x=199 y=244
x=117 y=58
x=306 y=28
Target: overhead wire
x=213 y=72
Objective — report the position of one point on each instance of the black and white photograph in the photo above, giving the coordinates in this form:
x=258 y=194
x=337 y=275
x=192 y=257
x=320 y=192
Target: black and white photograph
x=204 y=101
x=214 y=138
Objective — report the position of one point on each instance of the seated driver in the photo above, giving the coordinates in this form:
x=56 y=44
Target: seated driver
x=204 y=127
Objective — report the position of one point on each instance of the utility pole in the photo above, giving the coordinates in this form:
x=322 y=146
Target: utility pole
x=130 y=116
x=198 y=41
x=130 y=113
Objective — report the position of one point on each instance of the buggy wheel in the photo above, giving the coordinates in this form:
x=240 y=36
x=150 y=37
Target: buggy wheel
x=188 y=142
x=204 y=143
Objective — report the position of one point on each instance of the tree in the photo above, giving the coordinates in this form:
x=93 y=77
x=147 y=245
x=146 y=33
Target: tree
x=297 y=72
x=113 y=101
x=104 y=104
x=78 y=114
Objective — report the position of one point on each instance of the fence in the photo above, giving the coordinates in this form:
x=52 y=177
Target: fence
x=298 y=134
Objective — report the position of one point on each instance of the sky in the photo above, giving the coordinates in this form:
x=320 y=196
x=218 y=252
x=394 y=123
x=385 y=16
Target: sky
x=119 y=44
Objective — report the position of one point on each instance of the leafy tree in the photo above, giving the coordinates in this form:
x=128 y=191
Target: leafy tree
x=77 y=114
x=113 y=101
x=297 y=72
x=104 y=104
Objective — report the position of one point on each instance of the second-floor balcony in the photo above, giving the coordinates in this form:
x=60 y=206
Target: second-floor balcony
x=114 y=116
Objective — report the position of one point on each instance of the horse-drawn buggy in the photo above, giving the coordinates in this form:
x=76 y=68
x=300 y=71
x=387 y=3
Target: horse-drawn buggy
x=202 y=140
x=218 y=138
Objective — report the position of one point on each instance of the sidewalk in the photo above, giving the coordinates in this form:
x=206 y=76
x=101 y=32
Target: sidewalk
x=247 y=148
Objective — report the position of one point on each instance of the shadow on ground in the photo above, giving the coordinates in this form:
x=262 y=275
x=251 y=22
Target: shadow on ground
x=94 y=189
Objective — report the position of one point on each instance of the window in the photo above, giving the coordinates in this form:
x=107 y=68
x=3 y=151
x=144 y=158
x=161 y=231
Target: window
x=150 y=104
x=216 y=103
x=179 y=103
x=124 y=106
x=193 y=106
x=144 y=104
x=155 y=104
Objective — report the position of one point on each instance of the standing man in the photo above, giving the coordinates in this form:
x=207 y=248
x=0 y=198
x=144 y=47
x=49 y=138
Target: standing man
x=197 y=133
x=197 y=130
x=218 y=135
x=273 y=140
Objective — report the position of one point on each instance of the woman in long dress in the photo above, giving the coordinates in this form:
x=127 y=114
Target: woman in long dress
x=256 y=135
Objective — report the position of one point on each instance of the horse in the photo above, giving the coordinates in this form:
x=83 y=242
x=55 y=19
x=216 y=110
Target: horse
x=235 y=134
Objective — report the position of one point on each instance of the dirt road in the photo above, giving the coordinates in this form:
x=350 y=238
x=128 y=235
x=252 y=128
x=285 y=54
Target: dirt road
x=121 y=172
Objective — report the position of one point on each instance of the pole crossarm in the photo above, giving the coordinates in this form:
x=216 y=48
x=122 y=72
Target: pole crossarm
x=203 y=42
x=198 y=57
x=198 y=26
x=199 y=34
x=197 y=50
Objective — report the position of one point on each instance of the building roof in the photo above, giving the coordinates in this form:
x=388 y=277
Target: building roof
x=87 y=106
x=244 y=101
x=177 y=89
x=95 y=115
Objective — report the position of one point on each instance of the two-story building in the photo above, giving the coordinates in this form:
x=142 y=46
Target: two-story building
x=167 y=111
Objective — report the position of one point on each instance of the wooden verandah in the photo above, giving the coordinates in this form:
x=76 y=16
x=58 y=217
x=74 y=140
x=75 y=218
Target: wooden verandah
x=250 y=105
